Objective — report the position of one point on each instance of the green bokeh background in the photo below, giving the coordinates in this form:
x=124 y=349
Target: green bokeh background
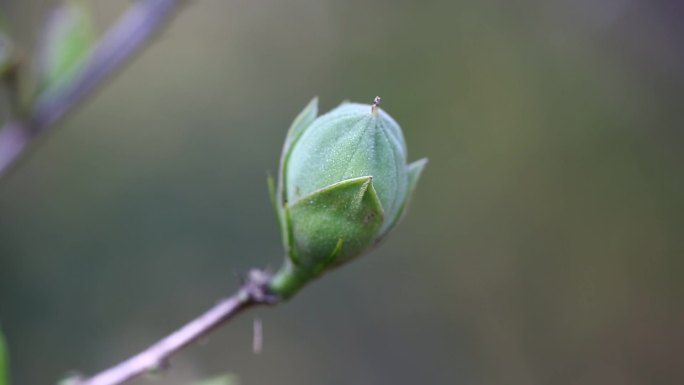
x=543 y=246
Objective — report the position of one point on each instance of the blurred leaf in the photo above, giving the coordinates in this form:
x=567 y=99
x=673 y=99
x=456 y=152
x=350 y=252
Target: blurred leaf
x=68 y=37
x=6 y=54
x=223 y=379
x=4 y=361
x=8 y=59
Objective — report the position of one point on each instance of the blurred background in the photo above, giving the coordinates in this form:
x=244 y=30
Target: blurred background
x=543 y=246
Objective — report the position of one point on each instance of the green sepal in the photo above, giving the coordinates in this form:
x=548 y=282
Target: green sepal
x=300 y=123
x=414 y=171
x=4 y=359
x=287 y=235
x=327 y=228
x=321 y=266
x=68 y=38
x=348 y=210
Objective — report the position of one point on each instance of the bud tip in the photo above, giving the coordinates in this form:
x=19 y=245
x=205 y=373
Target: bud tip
x=376 y=105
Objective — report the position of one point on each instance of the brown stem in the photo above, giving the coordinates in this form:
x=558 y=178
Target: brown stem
x=254 y=291
x=134 y=29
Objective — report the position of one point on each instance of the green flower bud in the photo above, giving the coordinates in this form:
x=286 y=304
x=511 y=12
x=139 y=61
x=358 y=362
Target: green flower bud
x=343 y=185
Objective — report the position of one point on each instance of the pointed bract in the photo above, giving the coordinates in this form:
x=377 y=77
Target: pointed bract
x=349 y=211
x=301 y=122
x=326 y=229
x=414 y=170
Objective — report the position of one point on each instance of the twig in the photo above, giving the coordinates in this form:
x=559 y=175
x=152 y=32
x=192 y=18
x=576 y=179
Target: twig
x=134 y=29
x=254 y=291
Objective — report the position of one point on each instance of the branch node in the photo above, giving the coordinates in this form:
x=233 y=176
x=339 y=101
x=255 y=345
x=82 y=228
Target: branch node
x=257 y=287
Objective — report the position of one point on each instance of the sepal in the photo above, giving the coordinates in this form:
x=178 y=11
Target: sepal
x=301 y=122
x=327 y=228
x=414 y=170
x=348 y=210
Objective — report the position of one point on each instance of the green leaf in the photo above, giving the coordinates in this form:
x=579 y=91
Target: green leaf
x=335 y=224
x=414 y=170
x=7 y=57
x=4 y=361
x=68 y=38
